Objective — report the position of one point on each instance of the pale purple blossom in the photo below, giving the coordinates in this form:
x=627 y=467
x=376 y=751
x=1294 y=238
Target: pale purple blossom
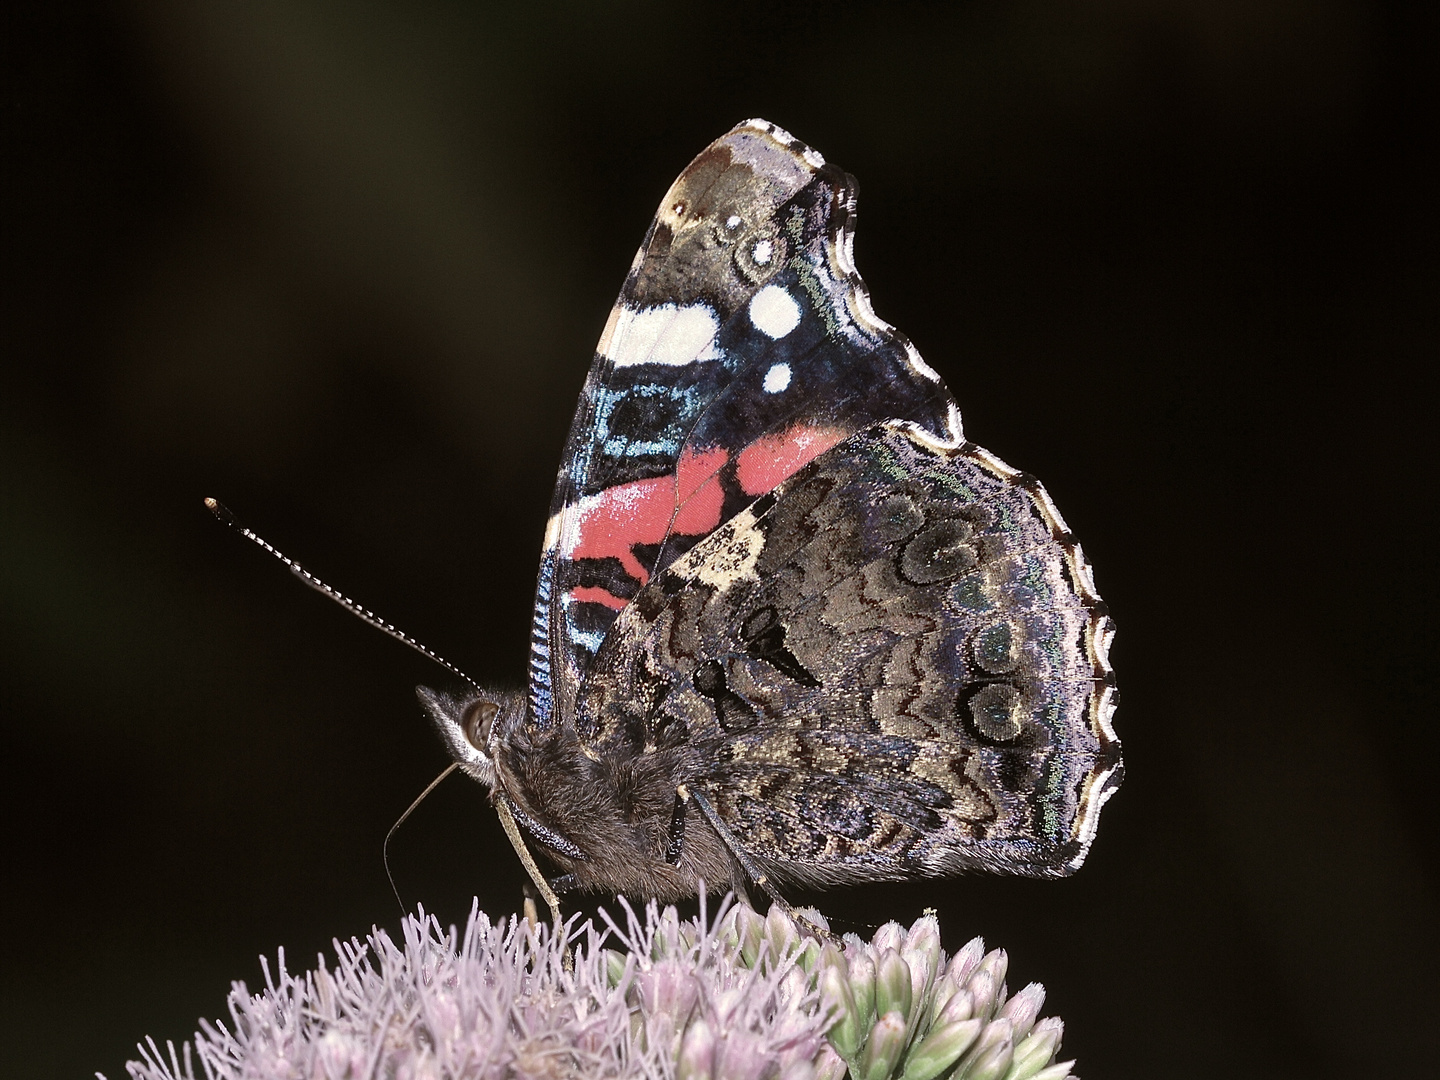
x=655 y=998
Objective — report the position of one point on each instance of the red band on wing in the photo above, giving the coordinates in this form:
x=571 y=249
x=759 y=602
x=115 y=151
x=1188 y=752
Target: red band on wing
x=688 y=502
x=613 y=521
x=593 y=594
x=701 y=512
x=772 y=458
x=617 y=518
x=694 y=469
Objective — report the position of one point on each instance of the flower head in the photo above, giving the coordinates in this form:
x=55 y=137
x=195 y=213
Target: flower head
x=657 y=998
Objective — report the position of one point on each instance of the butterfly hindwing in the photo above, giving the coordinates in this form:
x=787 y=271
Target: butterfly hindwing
x=742 y=347
x=892 y=665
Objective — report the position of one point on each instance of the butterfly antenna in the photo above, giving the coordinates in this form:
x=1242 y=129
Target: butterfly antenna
x=385 y=848
x=221 y=511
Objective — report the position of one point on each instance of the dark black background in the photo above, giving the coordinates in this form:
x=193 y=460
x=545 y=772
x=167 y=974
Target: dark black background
x=343 y=265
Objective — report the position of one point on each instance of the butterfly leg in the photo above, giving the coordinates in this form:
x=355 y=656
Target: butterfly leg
x=512 y=830
x=747 y=864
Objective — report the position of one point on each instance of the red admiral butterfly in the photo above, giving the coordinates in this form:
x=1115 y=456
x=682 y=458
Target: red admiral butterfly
x=790 y=626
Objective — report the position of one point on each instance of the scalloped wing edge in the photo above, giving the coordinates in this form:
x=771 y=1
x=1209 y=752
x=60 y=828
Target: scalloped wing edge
x=1104 y=779
x=840 y=252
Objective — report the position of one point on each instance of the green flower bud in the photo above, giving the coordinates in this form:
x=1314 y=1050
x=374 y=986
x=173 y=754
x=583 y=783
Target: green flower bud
x=893 y=992
x=890 y=936
x=991 y=1058
x=887 y=1040
x=615 y=963
x=751 y=929
x=830 y=956
x=996 y=963
x=940 y=1049
x=809 y=955
x=862 y=985
x=1059 y=1071
x=981 y=988
x=940 y=996
x=964 y=962
x=925 y=935
x=1023 y=1008
x=1035 y=1050
x=848 y=1026
x=961 y=1006
x=726 y=933
x=923 y=953
x=662 y=943
x=829 y=1065
x=781 y=933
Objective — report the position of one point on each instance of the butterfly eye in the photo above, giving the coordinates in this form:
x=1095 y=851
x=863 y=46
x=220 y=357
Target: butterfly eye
x=476 y=722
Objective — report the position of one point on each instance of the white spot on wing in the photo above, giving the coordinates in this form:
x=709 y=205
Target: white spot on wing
x=664 y=334
x=777 y=378
x=552 y=532
x=774 y=312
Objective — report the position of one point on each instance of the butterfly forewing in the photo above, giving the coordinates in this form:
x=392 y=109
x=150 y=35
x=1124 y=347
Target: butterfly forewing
x=741 y=347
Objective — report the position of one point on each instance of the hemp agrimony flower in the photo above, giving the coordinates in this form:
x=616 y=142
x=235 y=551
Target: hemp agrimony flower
x=745 y=998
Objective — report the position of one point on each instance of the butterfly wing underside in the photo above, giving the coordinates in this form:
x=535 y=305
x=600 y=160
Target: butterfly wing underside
x=742 y=347
x=893 y=665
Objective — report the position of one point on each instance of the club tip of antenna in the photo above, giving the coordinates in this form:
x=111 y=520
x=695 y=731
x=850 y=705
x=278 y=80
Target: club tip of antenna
x=219 y=509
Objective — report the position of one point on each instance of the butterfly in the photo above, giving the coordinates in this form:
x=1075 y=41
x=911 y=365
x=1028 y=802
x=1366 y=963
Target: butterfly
x=791 y=628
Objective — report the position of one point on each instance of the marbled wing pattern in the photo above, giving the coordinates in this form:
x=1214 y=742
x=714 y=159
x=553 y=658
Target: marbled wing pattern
x=741 y=347
x=892 y=665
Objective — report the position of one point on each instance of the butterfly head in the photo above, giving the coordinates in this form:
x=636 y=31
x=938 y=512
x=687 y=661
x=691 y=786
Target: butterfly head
x=470 y=724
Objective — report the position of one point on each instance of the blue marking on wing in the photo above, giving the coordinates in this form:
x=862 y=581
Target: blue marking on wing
x=542 y=702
